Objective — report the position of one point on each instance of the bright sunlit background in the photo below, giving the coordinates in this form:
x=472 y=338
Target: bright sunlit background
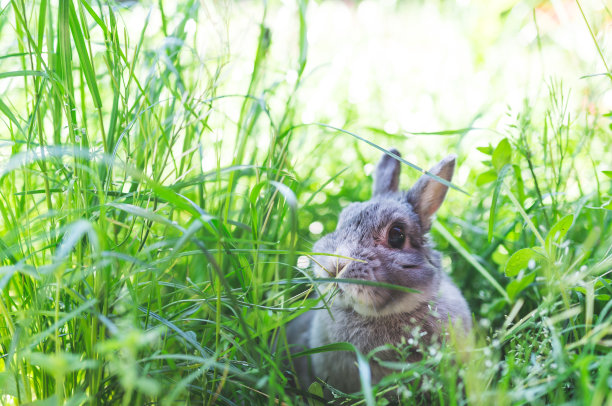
x=406 y=68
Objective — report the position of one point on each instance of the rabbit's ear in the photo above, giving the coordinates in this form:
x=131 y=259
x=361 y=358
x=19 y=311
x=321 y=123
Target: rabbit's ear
x=427 y=195
x=386 y=177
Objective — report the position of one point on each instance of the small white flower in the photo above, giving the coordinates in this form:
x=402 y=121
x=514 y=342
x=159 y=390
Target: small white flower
x=303 y=262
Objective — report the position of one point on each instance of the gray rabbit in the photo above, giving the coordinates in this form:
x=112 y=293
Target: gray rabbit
x=386 y=239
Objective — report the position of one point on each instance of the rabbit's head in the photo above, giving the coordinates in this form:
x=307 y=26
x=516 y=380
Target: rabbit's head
x=386 y=241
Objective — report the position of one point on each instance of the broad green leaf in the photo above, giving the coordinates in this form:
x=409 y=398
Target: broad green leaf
x=608 y=205
x=607 y=173
x=516 y=286
x=486 y=177
x=558 y=231
x=601 y=297
x=520 y=260
x=502 y=154
x=316 y=389
x=488 y=150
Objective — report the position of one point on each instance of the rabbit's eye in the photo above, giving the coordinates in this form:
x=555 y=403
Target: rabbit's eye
x=396 y=237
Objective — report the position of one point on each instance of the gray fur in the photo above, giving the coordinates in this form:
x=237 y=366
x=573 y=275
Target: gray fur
x=367 y=316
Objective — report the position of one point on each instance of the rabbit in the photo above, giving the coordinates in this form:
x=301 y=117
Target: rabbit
x=386 y=241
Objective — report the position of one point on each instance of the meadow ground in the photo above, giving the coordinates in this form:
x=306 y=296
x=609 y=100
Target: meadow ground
x=165 y=168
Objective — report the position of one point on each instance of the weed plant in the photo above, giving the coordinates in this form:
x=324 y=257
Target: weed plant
x=151 y=224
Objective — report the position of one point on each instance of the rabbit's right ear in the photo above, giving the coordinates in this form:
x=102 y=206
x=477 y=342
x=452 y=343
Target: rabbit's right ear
x=386 y=177
x=427 y=194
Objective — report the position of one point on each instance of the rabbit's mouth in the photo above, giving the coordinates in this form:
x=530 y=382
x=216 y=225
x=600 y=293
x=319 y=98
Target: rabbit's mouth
x=371 y=301
x=359 y=298
x=364 y=299
x=375 y=301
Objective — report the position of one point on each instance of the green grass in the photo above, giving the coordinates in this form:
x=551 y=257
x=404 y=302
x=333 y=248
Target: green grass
x=153 y=204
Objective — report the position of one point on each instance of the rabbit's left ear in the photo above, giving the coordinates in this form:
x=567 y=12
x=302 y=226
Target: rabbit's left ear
x=427 y=195
x=386 y=177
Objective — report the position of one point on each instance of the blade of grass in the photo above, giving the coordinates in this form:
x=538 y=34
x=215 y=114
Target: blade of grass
x=440 y=228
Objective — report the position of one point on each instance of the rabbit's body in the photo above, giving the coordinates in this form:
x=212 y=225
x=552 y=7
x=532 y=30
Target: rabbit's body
x=427 y=321
x=382 y=240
